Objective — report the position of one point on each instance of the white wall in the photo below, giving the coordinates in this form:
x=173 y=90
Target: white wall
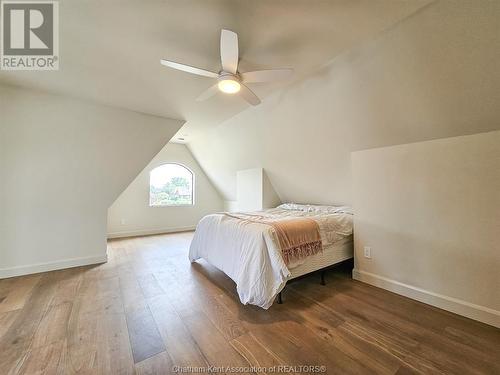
x=433 y=75
x=430 y=212
x=131 y=214
x=270 y=198
x=254 y=191
x=249 y=192
x=62 y=163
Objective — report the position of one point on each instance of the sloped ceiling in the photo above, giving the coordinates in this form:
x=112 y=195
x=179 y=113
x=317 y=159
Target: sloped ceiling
x=62 y=164
x=434 y=75
x=110 y=50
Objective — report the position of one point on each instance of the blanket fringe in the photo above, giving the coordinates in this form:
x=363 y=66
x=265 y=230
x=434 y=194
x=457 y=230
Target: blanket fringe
x=301 y=251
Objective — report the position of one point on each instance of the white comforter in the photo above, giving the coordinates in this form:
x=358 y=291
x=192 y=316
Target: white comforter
x=248 y=253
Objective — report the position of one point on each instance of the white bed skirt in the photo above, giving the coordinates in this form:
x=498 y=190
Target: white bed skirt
x=333 y=254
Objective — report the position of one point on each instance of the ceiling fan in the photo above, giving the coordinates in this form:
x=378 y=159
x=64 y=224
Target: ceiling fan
x=230 y=80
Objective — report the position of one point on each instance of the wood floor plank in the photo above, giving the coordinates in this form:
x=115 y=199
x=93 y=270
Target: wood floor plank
x=53 y=326
x=220 y=316
x=19 y=292
x=91 y=301
x=179 y=343
x=363 y=322
x=145 y=339
x=114 y=354
x=195 y=294
x=150 y=286
x=67 y=289
x=296 y=345
x=131 y=293
x=255 y=353
x=6 y=320
x=316 y=318
x=212 y=344
x=43 y=360
x=214 y=276
x=404 y=354
x=383 y=320
x=160 y=364
x=358 y=350
x=149 y=309
x=351 y=309
x=82 y=340
x=16 y=341
x=405 y=370
x=423 y=315
x=490 y=346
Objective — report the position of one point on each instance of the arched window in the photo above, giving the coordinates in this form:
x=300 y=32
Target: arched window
x=171 y=185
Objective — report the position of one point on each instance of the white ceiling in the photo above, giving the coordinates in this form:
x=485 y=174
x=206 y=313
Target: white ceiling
x=110 y=49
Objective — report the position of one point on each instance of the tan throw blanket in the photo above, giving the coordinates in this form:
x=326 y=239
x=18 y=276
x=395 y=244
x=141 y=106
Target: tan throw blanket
x=297 y=237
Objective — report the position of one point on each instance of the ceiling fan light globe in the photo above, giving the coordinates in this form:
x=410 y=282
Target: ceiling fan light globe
x=229 y=86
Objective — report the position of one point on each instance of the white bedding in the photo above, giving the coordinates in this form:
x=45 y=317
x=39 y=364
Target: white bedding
x=247 y=251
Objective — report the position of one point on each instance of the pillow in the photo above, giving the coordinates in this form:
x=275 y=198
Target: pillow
x=293 y=206
x=316 y=208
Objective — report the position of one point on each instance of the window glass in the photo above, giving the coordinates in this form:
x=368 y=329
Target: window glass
x=171 y=185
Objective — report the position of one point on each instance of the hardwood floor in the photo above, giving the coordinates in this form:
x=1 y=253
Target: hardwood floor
x=148 y=309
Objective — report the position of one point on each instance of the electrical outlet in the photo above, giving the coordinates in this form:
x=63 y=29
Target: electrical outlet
x=122 y=221
x=368 y=252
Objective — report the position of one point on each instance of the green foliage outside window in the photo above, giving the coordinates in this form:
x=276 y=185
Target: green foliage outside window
x=168 y=188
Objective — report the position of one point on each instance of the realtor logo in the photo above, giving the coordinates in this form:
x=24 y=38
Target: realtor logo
x=30 y=35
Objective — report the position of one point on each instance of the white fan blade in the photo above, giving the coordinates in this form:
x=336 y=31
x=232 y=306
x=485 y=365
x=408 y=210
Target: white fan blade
x=229 y=51
x=266 y=75
x=208 y=93
x=249 y=95
x=189 y=69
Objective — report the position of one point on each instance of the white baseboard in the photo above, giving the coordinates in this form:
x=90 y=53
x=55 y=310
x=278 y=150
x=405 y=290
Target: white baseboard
x=52 y=266
x=146 y=232
x=455 y=305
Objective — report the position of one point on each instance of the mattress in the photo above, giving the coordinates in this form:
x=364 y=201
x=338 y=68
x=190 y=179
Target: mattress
x=247 y=251
x=333 y=254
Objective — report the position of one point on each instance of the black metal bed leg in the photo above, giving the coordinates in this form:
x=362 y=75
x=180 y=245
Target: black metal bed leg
x=323 y=282
x=280 y=301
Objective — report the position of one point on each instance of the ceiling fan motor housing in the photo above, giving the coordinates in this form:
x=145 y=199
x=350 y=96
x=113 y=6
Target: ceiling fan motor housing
x=229 y=83
x=229 y=76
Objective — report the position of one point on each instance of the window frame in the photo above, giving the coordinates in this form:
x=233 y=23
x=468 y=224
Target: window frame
x=173 y=205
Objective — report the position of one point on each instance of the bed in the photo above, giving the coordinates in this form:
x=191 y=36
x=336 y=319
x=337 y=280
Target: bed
x=246 y=247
